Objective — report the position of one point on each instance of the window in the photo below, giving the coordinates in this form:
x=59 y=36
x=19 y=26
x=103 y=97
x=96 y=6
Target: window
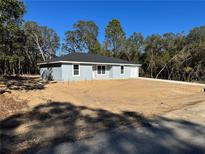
x=103 y=69
x=100 y=69
x=76 y=70
x=122 y=70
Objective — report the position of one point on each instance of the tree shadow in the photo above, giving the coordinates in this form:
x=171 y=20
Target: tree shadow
x=22 y=82
x=62 y=123
x=46 y=74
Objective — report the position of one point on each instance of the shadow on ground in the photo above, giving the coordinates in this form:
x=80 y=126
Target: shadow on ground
x=57 y=123
x=22 y=82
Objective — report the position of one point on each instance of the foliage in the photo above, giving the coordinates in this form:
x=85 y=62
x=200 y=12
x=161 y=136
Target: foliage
x=42 y=38
x=11 y=34
x=115 y=37
x=169 y=56
x=82 y=38
x=134 y=46
x=22 y=45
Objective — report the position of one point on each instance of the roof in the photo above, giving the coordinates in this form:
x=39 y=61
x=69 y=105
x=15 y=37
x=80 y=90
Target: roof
x=87 y=58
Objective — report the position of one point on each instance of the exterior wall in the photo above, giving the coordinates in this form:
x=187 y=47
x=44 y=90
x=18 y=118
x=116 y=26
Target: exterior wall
x=137 y=72
x=134 y=72
x=64 y=72
x=85 y=72
x=51 y=72
x=102 y=76
x=115 y=72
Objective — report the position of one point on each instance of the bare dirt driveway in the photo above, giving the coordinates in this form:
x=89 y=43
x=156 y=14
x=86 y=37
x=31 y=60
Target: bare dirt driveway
x=122 y=116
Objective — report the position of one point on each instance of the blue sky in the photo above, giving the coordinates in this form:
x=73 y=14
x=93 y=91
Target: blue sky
x=147 y=17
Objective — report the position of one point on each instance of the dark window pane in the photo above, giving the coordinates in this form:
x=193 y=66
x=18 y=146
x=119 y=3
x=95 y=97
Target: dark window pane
x=76 y=69
x=76 y=66
x=99 y=69
x=103 y=69
x=122 y=70
x=76 y=72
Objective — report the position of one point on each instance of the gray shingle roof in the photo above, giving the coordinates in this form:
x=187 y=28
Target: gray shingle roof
x=87 y=57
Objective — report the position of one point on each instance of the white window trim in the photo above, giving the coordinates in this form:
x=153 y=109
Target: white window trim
x=123 y=70
x=73 y=69
x=101 y=66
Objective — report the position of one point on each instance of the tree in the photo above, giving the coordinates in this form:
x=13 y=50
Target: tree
x=23 y=45
x=153 y=47
x=11 y=34
x=42 y=38
x=41 y=44
x=115 y=37
x=82 y=38
x=196 y=35
x=11 y=12
x=196 y=46
x=71 y=43
x=172 y=48
x=133 y=48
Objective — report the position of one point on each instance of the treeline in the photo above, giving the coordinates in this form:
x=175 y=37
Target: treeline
x=169 y=56
x=23 y=44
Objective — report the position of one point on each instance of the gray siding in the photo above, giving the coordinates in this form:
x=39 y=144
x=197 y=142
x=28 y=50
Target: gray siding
x=51 y=73
x=85 y=72
x=64 y=72
x=115 y=72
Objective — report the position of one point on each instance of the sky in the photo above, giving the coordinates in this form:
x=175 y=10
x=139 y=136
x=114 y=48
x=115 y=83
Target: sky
x=148 y=17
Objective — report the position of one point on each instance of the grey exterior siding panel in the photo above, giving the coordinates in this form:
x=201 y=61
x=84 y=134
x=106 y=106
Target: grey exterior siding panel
x=85 y=72
x=51 y=73
x=115 y=72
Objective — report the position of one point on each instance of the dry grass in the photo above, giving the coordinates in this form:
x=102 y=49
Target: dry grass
x=8 y=107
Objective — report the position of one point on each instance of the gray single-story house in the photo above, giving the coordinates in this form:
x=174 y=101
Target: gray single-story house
x=86 y=66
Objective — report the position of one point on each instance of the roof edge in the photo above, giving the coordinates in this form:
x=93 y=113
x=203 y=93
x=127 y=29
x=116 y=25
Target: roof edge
x=77 y=62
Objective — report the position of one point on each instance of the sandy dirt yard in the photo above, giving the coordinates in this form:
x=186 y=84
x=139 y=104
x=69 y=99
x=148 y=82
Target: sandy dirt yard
x=37 y=114
x=146 y=97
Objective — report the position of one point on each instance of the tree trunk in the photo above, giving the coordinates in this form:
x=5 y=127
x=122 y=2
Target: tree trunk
x=38 y=46
x=169 y=77
x=13 y=69
x=19 y=66
x=165 y=65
